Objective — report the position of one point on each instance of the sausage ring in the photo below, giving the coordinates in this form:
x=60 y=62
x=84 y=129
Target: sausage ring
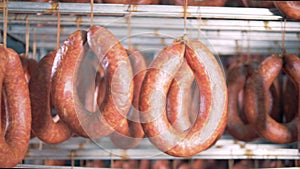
x=119 y=88
x=290 y=9
x=236 y=79
x=130 y=130
x=43 y=124
x=256 y=109
x=212 y=86
x=14 y=142
x=178 y=98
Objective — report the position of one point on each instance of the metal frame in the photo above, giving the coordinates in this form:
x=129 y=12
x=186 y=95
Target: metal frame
x=228 y=31
x=150 y=27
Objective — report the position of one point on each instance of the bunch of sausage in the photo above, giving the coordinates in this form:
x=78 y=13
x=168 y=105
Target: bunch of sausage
x=263 y=99
x=98 y=88
x=93 y=87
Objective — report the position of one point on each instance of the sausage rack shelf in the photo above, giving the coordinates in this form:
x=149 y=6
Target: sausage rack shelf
x=150 y=27
x=226 y=30
x=225 y=148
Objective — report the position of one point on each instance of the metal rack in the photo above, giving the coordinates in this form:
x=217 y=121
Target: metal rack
x=227 y=31
x=224 y=148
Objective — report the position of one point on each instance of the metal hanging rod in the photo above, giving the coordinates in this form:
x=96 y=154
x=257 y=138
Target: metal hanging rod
x=144 y=10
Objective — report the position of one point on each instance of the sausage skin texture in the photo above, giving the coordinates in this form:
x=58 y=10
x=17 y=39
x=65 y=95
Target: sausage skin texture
x=256 y=109
x=236 y=127
x=119 y=87
x=43 y=125
x=201 y=3
x=14 y=142
x=130 y=130
x=258 y=4
x=290 y=100
x=152 y=104
x=178 y=98
x=291 y=9
x=29 y=65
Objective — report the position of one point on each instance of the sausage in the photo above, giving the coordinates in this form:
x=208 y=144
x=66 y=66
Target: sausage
x=236 y=126
x=130 y=130
x=145 y=164
x=161 y=164
x=29 y=65
x=4 y=113
x=291 y=9
x=14 y=142
x=43 y=124
x=201 y=2
x=119 y=88
x=290 y=100
x=178 y=98
x=152 y=104
x=258 y=4
x=291 y=68
x=256 y=97
x=275 y=101
x=133 y=2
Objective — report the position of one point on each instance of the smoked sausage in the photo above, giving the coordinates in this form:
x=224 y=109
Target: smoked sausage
x=152 y=104
x=29 y=65
x=119 y=88
x=43 y=124
x=130 y=130
x=291 y=9
x=258 y=4
x=292 y=68
x=236 y=126
x=14 y=142
x=178 y=98
x=290 y=100
x=256 y=97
